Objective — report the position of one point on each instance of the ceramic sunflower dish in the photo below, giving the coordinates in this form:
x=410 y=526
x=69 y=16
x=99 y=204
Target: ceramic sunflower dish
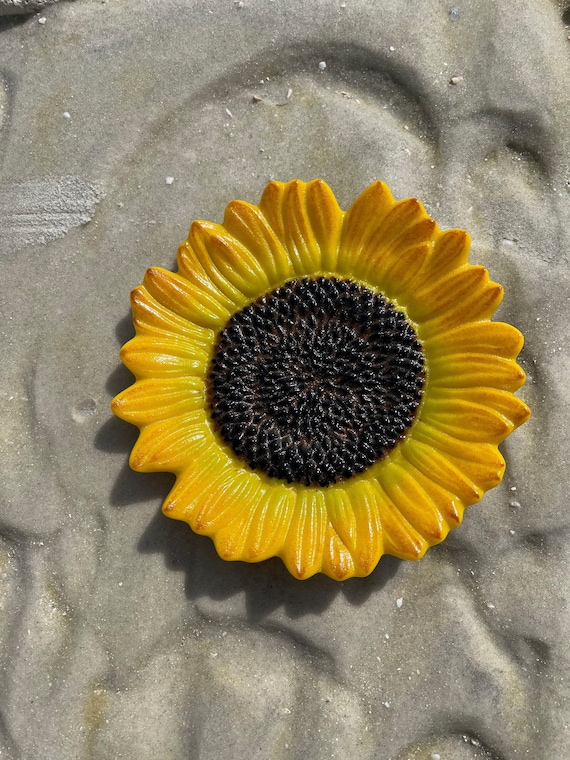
x=326 y=386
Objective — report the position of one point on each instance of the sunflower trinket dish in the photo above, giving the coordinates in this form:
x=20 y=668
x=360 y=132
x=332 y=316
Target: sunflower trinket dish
x=326 y=386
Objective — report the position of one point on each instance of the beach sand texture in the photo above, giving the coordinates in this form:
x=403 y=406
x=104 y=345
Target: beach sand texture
x=122 y=634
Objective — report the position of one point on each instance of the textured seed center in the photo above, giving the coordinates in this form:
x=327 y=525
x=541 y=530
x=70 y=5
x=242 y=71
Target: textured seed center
x=316 y=381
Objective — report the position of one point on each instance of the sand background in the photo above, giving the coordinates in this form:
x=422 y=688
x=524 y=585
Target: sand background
x=122 y=634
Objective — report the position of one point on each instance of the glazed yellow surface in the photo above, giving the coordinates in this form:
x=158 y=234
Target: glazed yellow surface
x=402 y=504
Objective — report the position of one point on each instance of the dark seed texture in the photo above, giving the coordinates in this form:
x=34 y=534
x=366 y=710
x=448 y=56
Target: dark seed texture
x=316 y=381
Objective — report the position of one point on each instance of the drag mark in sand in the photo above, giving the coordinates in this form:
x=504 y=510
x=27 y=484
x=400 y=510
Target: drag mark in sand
x=42 y=209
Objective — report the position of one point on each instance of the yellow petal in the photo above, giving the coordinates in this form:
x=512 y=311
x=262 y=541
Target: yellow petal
x=325 y=218
x=196 y=266
x=481 y=463
x=485 y=468
x=397 y=270
x=170 y=444
x=163 y=357
x=480 y=305
x=303 y=550
x=450 y=251
x=248 y=225
x=360 y=221
x=280 y=204
x=393 y=239
x=306 y=218
x=470 y=370
x=269 y=528
x=437 y=467
x=341 y=513
x=400 y=538
x=465 y=420
x=183 y=298
x=447 y=293
x=503 y=402
x=406 y=224
x=354 y=516
x=271 y=204
x=448 y=505
x=413 y=502
x=337 y=560
x=495 y=338
x=233 y=491
x=231 y=538
x=152 y=400
x=299 y=236
x=150 y=317
x=187 y=495
x=235 y=263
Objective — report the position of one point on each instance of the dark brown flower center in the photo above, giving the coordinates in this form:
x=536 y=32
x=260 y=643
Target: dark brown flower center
x=316 y=381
